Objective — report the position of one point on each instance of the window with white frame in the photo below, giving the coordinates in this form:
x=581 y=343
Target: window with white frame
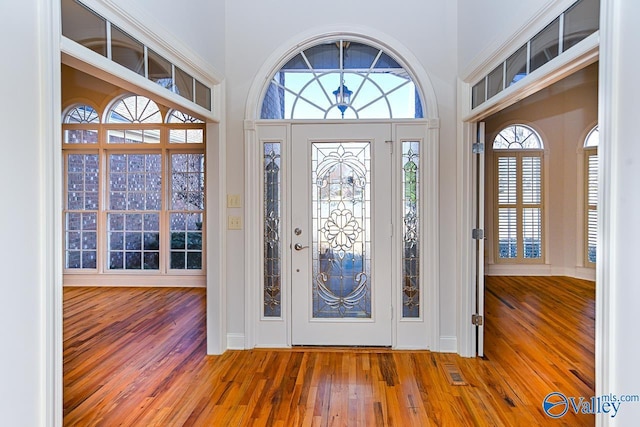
x=591 y=195
x=341 y=79
x=518 y=216
x=134 y=189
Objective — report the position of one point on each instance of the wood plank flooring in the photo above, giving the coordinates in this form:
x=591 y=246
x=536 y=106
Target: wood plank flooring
x=137 y=357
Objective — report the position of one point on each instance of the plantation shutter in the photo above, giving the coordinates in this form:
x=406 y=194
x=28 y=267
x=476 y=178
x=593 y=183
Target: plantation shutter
x=592 y=204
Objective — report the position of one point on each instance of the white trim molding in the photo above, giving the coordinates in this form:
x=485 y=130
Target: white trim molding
x=135 y=280
x=51 y=254
x=235 y=341
x=448 y=344
x=216 y=155
x=617 y=293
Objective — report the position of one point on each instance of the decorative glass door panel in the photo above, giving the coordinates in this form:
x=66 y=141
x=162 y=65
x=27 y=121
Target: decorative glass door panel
x=341 y=188
x=340 y=234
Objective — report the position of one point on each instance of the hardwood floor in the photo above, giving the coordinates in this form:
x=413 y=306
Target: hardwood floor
x=137 y=357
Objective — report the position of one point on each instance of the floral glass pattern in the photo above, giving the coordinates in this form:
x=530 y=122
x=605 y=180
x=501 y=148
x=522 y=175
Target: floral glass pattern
x=411 y=231
x=272 y=246
x=341 y=204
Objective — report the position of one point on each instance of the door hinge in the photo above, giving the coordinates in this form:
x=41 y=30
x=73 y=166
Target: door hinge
x=391 y=312
x=477 y=234
x=478 y=148
x=390 y=146
x=477 y=320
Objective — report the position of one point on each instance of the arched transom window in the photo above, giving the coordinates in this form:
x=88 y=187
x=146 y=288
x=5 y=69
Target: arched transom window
x=518 y=137
x=341 y=79
x=519 y=201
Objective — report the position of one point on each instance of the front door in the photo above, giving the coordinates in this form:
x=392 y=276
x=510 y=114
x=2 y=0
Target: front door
x=341 y=206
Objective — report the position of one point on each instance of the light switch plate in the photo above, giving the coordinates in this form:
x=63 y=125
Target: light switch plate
x=234 y=201
x=234 y=223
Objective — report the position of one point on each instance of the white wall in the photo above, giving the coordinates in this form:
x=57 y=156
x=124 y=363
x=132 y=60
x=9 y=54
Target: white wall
x=198 y=25
x=426 y=28
x=484 y=25
x=25 y=316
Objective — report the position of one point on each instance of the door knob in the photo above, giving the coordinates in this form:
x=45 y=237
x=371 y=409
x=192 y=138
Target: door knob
x=299 y=247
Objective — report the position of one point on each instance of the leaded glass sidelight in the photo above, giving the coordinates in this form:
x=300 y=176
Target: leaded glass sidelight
x=272 y=232
x=410 y=229
x=341 y=244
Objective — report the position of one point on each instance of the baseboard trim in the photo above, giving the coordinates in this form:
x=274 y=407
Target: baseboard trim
x=235 y=341
x=541 y=270
x=448 y=344
x=134 y=280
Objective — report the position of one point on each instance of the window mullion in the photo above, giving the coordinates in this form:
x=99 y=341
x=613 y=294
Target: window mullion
x=165 y=180
x=519 y=208
x=103 y=199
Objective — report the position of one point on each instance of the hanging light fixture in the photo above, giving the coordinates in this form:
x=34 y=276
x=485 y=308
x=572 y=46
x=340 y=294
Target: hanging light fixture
x=343 y=97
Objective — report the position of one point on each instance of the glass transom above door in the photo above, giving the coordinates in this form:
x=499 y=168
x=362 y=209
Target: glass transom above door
x=341 y=79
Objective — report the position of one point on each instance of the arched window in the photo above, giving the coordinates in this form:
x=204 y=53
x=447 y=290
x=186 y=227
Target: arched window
x=341 y=79
x=81 y=114
x=517 y=137
x=139 y=111
x=591 y=194
x=81 y=121
x=134 y=109
x=81 y=128
x=182 y=131
x=150 y=215
x=518 y=215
